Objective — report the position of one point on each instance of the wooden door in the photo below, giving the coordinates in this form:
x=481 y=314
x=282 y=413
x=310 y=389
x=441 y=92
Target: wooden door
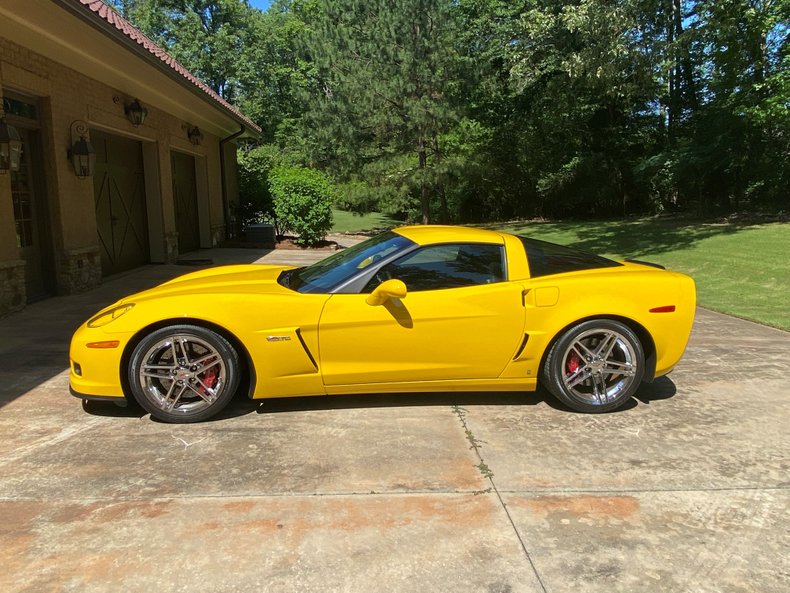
x=185 y=197
x=119 y=191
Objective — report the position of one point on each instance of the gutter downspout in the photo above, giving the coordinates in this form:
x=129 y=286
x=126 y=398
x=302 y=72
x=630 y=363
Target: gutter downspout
x=223 y=178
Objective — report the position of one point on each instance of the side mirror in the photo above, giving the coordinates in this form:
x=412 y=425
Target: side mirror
x=391 y=289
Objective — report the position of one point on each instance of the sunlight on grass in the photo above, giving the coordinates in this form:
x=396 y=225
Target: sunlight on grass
x=742 y=270
x=348 y=222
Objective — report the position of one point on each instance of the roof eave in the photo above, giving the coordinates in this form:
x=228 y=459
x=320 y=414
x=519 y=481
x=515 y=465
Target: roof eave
x=251 y=130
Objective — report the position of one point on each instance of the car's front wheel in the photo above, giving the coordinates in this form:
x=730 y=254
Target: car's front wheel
x=183 y=373
x=595 y=366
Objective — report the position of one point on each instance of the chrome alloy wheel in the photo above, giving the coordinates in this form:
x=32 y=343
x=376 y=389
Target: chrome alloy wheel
x=182 y=374
x=599 y=365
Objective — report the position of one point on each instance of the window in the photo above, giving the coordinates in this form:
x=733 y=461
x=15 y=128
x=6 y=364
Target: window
x=445 y=266
x=16 y=105
x=336 y=269
x=22 y=197
x=547 y=258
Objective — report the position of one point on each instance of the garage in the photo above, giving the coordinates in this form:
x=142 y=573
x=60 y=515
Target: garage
x=119 y=191
x=186 y=202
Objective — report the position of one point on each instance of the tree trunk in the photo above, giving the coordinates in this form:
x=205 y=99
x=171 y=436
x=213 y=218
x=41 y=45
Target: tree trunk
x=424 y=196
x=684 y=68
x=444 y=214
x=672 y=100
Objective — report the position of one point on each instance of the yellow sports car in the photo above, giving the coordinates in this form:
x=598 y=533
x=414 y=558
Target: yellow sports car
x=417 y=309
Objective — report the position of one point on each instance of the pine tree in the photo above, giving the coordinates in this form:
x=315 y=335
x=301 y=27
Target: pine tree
x=385 y=76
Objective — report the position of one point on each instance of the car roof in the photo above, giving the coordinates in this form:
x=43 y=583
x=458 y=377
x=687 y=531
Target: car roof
x=429 y=234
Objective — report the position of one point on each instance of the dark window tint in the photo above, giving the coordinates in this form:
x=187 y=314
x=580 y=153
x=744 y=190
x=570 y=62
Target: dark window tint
x=446 y=266
x=548 y=258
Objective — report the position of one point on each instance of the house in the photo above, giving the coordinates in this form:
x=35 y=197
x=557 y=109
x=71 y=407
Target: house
x=126 y=157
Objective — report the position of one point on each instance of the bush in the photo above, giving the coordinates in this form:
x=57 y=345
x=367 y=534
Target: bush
x=255 y=201
x=302 y=202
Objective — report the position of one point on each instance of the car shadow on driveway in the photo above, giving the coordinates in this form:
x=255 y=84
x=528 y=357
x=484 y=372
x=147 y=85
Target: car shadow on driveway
x=240 y=406
x=660 y=389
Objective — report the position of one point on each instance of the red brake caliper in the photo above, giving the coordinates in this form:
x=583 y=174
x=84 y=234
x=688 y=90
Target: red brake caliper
x=573 y=364
x=209 y=378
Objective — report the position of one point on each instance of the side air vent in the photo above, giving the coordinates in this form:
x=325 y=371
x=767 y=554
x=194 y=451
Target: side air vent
x=523 y=345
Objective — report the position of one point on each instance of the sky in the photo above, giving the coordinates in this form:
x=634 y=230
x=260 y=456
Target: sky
x=262 y=4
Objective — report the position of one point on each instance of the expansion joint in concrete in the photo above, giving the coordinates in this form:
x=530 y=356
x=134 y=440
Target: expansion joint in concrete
x=475 y=444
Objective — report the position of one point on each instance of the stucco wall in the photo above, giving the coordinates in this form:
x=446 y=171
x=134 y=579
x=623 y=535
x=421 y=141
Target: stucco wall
x=66 y=95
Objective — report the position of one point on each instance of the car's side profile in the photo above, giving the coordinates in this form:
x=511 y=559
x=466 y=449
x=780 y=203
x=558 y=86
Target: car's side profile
x=417 y=309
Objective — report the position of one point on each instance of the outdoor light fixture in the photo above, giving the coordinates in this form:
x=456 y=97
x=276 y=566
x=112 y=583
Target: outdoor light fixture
x=135 y=112
x=195 y=135
x=81 y=152
x=10 y=146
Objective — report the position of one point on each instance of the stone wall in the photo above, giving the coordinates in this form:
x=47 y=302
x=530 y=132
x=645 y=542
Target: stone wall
x=79 y=269
x=12 y=286
x=171 y=247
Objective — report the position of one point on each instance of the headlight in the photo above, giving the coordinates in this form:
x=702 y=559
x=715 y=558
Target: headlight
x=108 y=316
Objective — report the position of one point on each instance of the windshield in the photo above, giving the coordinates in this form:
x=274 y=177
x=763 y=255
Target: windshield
x=324 y=275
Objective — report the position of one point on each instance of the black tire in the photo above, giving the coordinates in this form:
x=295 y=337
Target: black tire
x=595 y=366
x=183 y=373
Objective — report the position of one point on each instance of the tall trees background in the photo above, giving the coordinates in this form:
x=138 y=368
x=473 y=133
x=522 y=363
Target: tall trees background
x=464 y=110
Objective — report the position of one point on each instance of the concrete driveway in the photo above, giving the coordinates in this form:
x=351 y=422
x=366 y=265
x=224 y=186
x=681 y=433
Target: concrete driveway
x=685 y=490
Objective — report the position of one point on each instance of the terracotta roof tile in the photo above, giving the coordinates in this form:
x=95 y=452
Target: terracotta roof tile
x=114 y=19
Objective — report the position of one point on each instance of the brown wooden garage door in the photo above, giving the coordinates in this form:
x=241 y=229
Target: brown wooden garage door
x=119 y=190
x=185 y=197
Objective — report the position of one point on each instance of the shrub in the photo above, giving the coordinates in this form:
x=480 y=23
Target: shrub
x=255 y=201
x=302 y=202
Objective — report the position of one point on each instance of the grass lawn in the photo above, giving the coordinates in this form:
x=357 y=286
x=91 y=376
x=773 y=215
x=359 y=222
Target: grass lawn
x=348 y=222
x=740 y=269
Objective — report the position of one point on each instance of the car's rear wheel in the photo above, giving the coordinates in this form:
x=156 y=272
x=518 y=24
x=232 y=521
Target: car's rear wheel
x=183 y=373
x=595 y=366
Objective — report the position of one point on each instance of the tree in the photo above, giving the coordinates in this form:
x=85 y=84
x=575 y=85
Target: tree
x=210 y=37
x=587 y=86
x=383 y=90
x=490 y=109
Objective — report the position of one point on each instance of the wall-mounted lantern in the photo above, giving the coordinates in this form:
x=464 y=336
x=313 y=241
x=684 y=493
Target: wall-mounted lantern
x=10 y=146
x=135 y=112
x=195 y=135
x=81 y=152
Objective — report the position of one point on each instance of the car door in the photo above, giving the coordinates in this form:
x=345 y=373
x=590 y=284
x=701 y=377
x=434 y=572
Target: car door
x=461 y=319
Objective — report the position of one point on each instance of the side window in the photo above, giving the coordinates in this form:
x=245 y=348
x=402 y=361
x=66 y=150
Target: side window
x=452 y=265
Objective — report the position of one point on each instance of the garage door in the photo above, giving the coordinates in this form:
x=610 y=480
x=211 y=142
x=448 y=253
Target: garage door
x=119 y=190
x=185 y=197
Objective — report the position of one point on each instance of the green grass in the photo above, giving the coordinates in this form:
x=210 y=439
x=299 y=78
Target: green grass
x=348 y=222
x=740 y=269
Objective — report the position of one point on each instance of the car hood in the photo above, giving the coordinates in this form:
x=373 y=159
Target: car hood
x=237 y=279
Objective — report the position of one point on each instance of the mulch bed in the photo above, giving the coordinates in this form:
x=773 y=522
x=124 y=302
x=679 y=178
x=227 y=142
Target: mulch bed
x=287 y=242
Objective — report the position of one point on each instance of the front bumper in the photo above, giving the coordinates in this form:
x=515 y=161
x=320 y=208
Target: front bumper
x=118 y=401
x=96 y=372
